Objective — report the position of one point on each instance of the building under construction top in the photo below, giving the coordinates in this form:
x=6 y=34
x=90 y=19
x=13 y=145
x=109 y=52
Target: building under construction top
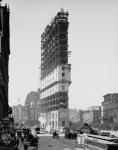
x=54 y=43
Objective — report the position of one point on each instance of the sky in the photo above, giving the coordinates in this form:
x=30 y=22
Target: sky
x=92 y=38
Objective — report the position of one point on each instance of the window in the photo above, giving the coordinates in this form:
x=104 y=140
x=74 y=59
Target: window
x=56 y=115
x=63 y=74
x=52 y=124
x=63 y=87
x=63 y=68
x=52 y=116
x=56 y=123
x=63 y=123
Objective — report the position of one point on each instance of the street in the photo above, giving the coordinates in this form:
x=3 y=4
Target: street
x=49 y=143
x=46 y=142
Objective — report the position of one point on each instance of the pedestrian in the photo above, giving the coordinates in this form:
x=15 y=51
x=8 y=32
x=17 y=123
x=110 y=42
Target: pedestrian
x=76 y=138
x=17 y=142
x=25 y=146
x=22 y=139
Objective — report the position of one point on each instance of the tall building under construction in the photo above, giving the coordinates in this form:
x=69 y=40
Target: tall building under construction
x=55 y=73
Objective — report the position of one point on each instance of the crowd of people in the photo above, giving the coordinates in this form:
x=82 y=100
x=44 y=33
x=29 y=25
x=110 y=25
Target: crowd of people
x=10 y=136
x=27 y=138
x=71 y=135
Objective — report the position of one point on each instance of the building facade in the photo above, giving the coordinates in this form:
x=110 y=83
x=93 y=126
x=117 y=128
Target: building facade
x=76 y=116
x=73 y=115
x=32 y=109
x=4 y=60
x=55 y=73
x=18 y=113
x=110 y=110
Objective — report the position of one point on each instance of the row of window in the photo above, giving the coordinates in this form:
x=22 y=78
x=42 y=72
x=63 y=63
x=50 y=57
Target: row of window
x=49 y=92
x=35 y=104
x=33 y=114
x=52 y=77
x=53 y=124
x=50 y=103
x=54 y=115
x=56 y=88
x=110 y=101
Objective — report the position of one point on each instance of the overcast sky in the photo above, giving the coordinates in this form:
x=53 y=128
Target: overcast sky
x=92 y=38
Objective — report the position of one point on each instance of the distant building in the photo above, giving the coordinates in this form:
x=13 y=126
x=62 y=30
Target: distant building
x=74 y=115
x=18 y=113
x=4 y=59
x=55 y=73
x=32 y=108
x=110 y=110
x=92 y=116
x=80 y=115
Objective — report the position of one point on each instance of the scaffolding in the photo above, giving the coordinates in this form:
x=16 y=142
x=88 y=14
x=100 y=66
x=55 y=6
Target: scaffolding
x=54 y=43
x=54 y=52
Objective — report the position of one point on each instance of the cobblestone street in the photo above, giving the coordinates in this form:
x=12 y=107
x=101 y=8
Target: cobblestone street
x=46 y=142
